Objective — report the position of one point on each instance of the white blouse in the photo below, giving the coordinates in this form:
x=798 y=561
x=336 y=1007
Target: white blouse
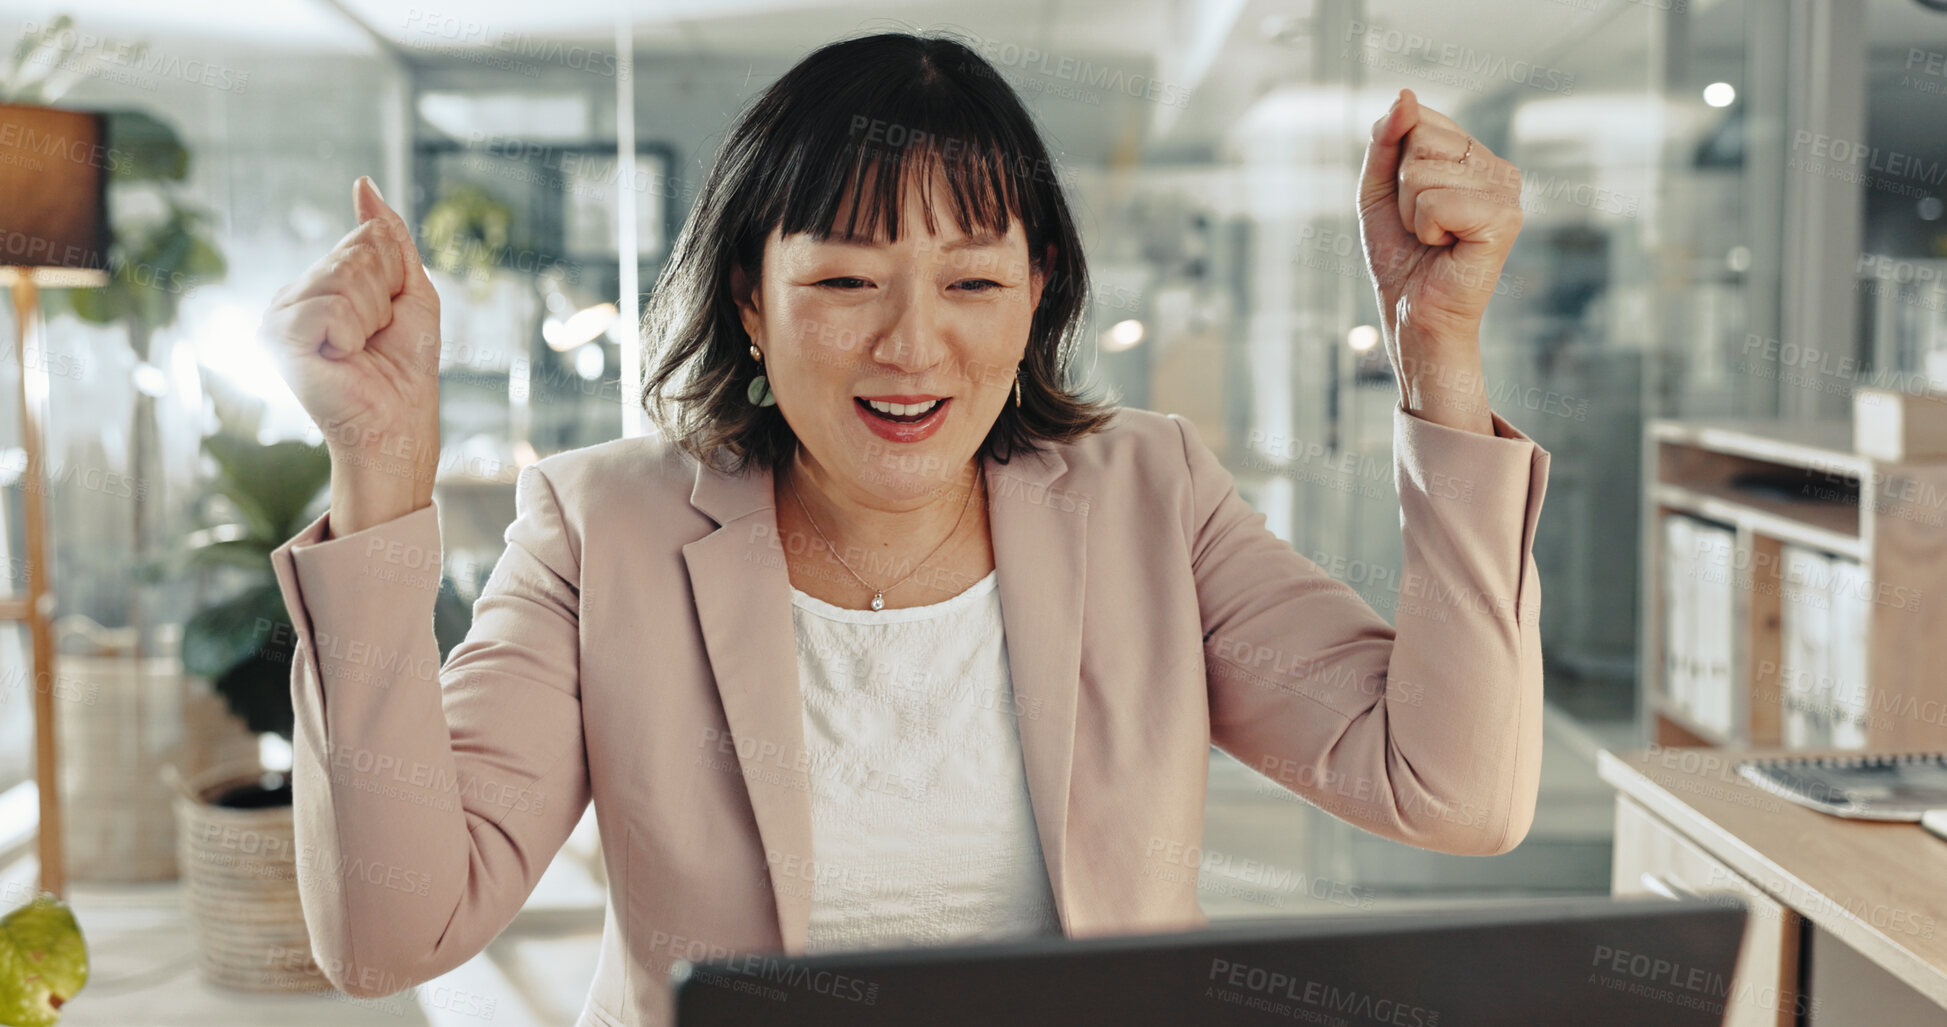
x=922 y=830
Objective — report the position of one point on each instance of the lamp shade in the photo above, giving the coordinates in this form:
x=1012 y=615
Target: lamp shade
x=54 y=167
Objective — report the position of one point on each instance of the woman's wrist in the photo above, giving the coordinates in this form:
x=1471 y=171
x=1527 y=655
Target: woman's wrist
x=370 y=488
x=1441 y=381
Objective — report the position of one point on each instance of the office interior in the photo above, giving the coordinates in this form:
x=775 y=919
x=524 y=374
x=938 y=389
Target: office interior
x=1734 y=245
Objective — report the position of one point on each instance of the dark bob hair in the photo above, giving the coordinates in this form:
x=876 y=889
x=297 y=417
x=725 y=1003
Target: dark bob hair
x=863 y=116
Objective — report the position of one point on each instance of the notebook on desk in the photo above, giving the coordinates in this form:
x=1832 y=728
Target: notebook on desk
x=1868 y=786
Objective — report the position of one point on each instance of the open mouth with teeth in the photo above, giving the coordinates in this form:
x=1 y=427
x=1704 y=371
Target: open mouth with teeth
x=899 y=413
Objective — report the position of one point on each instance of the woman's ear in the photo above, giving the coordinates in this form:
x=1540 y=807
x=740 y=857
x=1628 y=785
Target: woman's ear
x=1038 y=275
x=748 y=297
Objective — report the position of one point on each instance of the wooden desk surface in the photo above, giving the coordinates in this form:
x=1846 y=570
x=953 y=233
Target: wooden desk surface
x=1880 y=887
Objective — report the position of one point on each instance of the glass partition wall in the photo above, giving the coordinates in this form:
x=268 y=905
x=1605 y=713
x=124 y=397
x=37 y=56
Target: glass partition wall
x=1651 y=146
x=1670 y=244
x=256 y=175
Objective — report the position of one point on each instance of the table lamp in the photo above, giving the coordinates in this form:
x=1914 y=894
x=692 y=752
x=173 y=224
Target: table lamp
x=54 y=233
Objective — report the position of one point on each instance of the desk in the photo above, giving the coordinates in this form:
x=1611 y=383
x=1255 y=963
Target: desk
x=1848 y=919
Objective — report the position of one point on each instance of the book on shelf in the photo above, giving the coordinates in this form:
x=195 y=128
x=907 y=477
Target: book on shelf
x=1677 y=618
x=1824 y=610
x=1877 y=786
x=1712 y=700
x=1699 y=613
x=1846 y=652
x=1803 y=605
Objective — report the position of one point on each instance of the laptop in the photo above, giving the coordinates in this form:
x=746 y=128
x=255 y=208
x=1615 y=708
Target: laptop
x=1592 y=962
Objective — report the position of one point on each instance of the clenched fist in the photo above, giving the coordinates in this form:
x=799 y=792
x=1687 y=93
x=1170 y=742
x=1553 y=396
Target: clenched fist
x=1438 y=213
x=357 y=339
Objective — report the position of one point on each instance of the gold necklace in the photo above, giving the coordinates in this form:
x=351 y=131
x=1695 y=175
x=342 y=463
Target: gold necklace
x=879 y=594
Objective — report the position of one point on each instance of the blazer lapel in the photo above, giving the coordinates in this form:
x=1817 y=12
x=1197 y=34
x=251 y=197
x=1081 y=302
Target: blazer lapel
x=1040 y=534
x=743 y=602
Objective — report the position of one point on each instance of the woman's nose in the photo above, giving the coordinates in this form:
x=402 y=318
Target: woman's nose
x=914 y=342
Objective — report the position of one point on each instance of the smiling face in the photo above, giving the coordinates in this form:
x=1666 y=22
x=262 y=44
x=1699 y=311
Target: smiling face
x=891 y=360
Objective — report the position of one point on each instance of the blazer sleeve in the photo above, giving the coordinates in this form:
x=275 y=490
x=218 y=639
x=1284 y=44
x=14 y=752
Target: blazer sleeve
x=1426 y=731
x=428 y=800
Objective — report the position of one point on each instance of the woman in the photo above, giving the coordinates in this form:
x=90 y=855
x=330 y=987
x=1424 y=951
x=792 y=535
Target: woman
x=890 y=636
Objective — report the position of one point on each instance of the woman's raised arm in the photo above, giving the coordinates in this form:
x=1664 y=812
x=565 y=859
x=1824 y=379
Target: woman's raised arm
x=427 y=800
x=1427 y=730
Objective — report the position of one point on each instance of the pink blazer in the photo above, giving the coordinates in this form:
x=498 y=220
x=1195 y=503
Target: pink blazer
x=634 y=647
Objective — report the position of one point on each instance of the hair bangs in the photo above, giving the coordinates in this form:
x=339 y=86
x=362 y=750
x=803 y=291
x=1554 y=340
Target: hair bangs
x=867 y=167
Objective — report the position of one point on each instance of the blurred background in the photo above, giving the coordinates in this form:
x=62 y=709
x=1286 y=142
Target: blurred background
x=1734 y=215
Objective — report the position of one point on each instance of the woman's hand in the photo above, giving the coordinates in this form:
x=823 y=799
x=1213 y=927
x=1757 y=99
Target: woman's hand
x=357 y=339
x=1437 y=231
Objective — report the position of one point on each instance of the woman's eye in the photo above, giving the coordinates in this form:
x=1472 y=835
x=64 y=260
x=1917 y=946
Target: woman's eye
x=848 y=279
x=991 y=286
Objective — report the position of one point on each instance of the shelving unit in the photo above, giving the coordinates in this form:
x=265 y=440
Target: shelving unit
x=1896 y=530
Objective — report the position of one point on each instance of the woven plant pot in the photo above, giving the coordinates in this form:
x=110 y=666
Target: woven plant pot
x=239 y=886
x=119 y=721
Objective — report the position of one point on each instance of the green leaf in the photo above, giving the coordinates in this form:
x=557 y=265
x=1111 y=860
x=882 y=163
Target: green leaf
x=219 y=637
x=257 y=684
x=202 y=262
x=147 y=148
x=247 y=553
x=101 y=306
x=258 y=689
x=153 y=307
x=271 y=485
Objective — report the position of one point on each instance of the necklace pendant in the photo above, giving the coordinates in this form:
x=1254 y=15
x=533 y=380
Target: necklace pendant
x=878 y=600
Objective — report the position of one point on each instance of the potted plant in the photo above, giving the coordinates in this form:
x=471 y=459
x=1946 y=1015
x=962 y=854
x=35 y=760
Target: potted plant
x=139 y=710
x=234 y=834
